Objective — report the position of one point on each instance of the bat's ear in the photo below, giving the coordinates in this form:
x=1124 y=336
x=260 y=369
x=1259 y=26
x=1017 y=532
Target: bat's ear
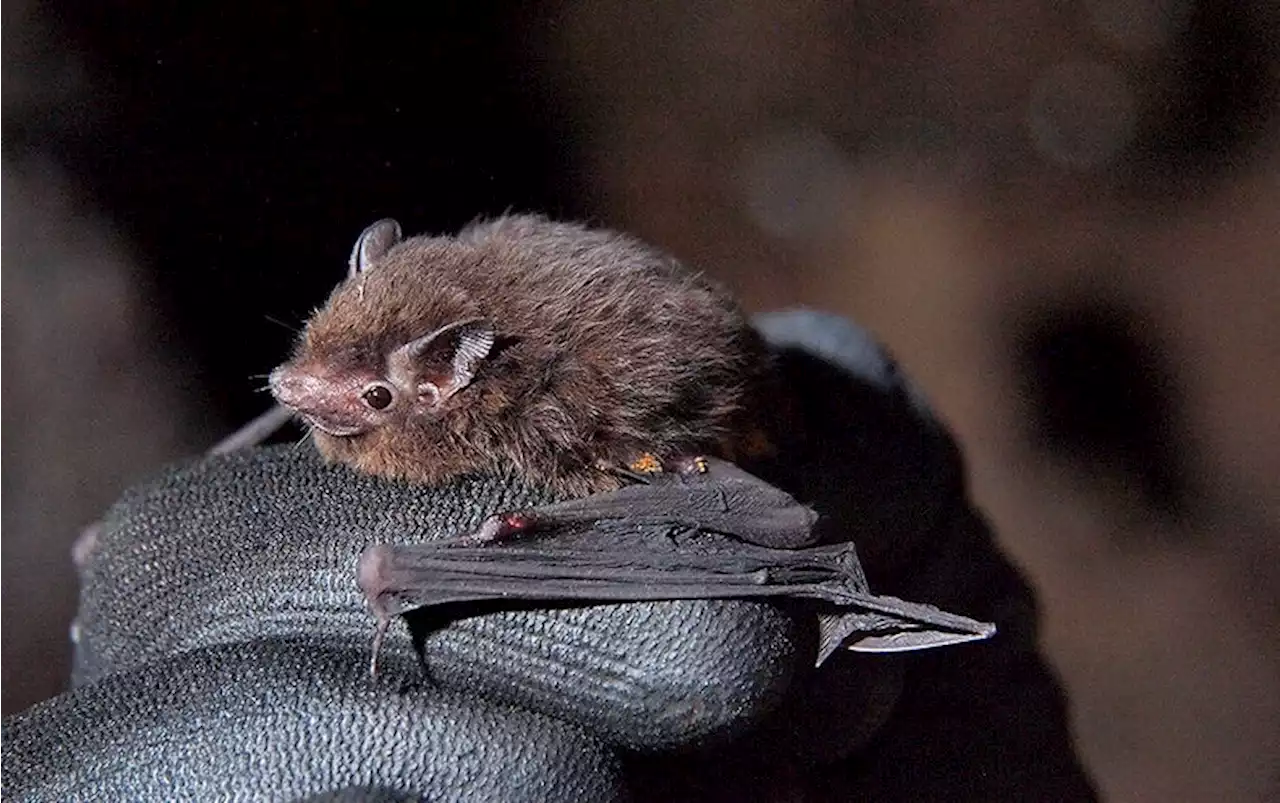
x=374 y=242
x=449 y=357
x=471 y=342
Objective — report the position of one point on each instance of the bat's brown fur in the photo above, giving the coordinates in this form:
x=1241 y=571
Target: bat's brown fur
x=606 y=350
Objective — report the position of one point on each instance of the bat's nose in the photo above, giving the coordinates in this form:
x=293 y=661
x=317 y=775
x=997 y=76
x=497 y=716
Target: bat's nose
x=304 y=392
x=292 y=387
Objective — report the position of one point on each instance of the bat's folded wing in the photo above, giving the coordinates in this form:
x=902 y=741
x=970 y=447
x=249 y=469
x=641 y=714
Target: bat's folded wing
x=662 y=542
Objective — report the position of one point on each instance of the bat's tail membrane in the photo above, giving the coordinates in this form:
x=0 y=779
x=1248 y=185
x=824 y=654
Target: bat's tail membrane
x=888 y=624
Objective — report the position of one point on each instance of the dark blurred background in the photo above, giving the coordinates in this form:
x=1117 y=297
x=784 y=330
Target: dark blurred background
x=1064 y=219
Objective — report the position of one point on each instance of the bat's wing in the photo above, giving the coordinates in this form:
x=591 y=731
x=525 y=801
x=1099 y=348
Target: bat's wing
x=710 y=536
x=601 y=567
x=888 y=624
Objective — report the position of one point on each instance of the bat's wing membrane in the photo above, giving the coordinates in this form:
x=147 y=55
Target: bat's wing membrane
x=910 y=626
x=714 y=536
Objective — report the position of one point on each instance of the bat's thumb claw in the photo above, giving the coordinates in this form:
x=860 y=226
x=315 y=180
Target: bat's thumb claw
x=371 y=575
x=378 y=636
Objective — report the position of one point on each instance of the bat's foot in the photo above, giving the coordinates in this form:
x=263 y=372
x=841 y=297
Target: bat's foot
x=693 y=464
x=646 y=463
x=647 y=466
x=639 y=470
x=648 y=469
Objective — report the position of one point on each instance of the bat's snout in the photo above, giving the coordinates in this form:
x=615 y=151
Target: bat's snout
x=290 y=386
x=326 y=404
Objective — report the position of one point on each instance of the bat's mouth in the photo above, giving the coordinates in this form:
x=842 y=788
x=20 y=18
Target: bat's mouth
x=330 y=427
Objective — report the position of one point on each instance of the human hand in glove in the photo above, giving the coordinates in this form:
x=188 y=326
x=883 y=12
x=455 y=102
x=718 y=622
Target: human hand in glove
x=223 y=643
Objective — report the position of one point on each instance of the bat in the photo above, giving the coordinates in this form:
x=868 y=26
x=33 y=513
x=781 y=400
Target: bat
x=707 y=530
x=547 y=349
x=581 y=360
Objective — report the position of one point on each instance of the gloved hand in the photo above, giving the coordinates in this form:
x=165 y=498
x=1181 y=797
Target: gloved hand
x=223 y=644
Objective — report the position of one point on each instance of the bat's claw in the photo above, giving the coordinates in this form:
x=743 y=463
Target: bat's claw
x=647 y=467
x=379 y=634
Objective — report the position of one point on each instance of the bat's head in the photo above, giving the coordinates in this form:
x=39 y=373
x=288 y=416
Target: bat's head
x=349 y=391
x=383 y=352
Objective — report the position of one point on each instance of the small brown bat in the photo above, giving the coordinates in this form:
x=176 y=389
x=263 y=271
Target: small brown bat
x=556 y=351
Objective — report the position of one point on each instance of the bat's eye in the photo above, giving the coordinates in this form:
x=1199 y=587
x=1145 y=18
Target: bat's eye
x=377 y=397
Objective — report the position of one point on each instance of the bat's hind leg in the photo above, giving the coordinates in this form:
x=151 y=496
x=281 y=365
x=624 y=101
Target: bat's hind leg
x=688 y=464
x=646 y=465
x=648 y=468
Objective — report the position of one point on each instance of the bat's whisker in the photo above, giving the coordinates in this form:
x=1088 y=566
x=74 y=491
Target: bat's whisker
x=307 y=429
x=290 y=327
